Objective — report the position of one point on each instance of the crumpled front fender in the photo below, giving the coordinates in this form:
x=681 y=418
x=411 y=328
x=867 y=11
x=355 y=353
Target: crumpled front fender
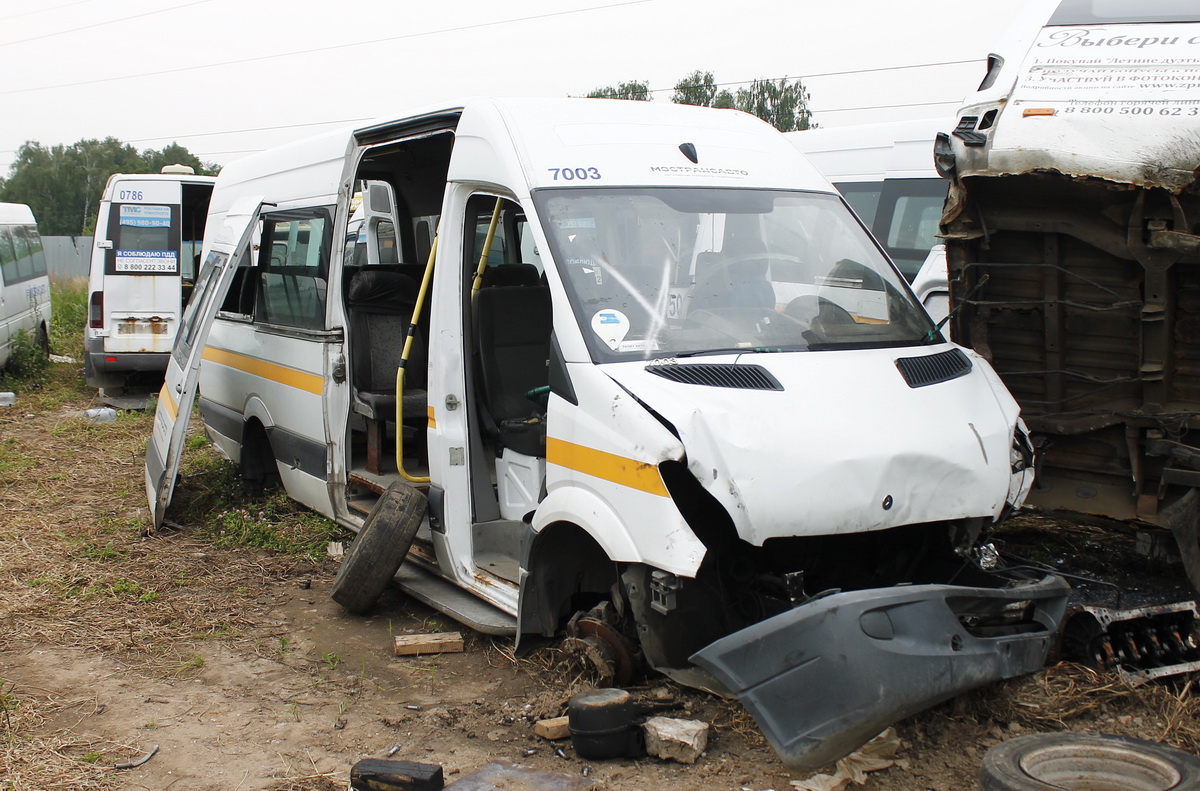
x=824 y=678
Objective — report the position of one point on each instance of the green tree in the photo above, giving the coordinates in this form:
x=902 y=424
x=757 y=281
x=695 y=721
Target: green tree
x=636 y=91
x=781 y=103
x=63 y=184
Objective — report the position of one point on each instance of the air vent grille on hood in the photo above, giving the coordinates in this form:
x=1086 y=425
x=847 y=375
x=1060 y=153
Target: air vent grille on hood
x=934 y=368
x=745 y=377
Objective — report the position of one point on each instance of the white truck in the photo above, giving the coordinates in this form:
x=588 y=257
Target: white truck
x=628 y=389
x=1073 y=237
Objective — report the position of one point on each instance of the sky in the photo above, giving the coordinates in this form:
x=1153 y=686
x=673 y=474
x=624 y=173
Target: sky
x=229 y=77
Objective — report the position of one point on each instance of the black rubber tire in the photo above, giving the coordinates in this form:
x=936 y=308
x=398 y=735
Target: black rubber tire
x=379 y=548
x=1087 y=762
x=43 y=339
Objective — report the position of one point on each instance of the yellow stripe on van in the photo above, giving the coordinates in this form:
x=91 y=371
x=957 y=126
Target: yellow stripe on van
x=301 y=380
x=597 y=463
x=432 y=422
x=164 y=397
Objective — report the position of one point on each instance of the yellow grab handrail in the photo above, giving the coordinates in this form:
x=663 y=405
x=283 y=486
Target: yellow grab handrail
x=408 y=342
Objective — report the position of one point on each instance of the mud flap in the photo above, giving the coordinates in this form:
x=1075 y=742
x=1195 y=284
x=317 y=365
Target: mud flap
x=824 y=678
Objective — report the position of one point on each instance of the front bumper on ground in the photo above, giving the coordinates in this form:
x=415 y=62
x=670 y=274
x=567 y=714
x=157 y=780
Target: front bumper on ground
x=824 y=678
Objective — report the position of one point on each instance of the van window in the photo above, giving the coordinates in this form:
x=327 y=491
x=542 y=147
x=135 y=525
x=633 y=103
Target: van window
x=907 y=220
x=293 y=266
x=863 y=197
x=21 y=254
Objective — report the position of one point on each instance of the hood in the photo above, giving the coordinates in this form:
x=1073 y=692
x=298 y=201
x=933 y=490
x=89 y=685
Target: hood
x=844 y=444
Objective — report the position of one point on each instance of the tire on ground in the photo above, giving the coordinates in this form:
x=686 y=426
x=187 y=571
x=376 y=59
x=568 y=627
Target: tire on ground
x=379 y=548
x=1054 y=761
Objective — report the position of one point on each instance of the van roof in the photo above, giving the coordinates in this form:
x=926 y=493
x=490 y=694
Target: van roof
x=522 y=141
x=873 y=152
x=16 y=214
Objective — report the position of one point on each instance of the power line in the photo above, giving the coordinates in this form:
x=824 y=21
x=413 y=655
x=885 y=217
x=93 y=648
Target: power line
x=956 y=103
x=839 y=73
x=101 y=24
x=330 y=48
x=254 y=129
x=44 y=10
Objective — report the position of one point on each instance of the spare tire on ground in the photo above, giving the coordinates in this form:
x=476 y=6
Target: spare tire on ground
x=379 y=548
x=1087 y=762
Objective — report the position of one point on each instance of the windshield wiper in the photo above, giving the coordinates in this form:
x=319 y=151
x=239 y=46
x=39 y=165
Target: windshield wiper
x=734 y=350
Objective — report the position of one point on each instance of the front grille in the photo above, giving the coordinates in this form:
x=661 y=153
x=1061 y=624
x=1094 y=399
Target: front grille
x=745 y=377
x=934 y=368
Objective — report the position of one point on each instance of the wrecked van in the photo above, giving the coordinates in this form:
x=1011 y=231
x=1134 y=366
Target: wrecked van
x=1073 y=232
x=630 y=370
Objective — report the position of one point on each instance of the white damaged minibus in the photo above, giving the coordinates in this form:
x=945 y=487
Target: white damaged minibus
x=631 y=370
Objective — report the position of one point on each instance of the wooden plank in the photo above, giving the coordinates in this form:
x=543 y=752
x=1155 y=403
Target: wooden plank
x=375 y=775
x=552 y=729
x=439 y=643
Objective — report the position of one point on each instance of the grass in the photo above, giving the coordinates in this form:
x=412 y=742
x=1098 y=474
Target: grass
x=69 y=303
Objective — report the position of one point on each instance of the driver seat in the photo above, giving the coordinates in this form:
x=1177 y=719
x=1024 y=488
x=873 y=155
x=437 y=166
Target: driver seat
x=735 y=278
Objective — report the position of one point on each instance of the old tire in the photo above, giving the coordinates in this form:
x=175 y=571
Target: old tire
x=379 y=548
x=1087 y=762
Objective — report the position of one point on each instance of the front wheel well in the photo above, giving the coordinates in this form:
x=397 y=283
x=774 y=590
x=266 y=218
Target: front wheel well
x=566 y=571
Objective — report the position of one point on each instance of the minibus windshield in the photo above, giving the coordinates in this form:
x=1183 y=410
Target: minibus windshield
x=665 y=272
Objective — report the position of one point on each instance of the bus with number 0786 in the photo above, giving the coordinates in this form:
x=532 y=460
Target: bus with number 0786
x=149 y=230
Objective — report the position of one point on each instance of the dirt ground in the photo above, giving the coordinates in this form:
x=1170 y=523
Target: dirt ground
x=241 y=671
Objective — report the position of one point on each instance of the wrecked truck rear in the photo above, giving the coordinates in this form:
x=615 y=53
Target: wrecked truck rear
x=1072 y=230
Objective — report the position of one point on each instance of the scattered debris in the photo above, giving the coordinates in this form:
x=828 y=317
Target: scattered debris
x=1140 y=644
x=553 y=729
x=439 y=643
x=371 y=774
x=514 y=777
x=100 y=415
x=601 y=724
x=138 y=762
x=335 y=550
x=676 y=740
x=874 y=756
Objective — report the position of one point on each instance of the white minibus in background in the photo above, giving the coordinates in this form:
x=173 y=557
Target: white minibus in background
x=651 y=382
x=887 y=174
x=24 y=281
x=149 y=232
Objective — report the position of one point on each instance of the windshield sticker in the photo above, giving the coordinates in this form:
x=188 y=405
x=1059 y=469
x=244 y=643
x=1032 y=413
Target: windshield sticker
x=637 y=346
x=576 y=222
x=612 y=326
x=146 y=216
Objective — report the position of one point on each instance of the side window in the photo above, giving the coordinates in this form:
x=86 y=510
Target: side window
x=23 y=269
x=512 y=258
x=293 y=265
x=863 y=197
x=37 y=256
x=8 y=255
x=189 y=324
x=907 y=220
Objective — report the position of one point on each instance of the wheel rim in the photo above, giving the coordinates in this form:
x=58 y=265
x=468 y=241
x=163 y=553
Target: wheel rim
x=1099 y=767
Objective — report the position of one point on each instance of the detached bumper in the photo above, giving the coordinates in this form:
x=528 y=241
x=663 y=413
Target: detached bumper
x=824 y=678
